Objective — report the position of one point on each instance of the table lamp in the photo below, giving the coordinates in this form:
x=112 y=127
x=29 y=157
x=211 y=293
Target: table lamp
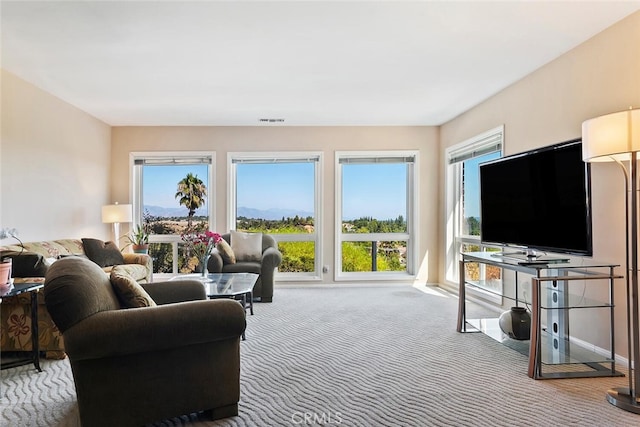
x=115 y=214
x=616 y=137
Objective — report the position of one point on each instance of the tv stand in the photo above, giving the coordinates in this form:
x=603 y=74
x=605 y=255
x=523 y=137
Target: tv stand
x=548 y=347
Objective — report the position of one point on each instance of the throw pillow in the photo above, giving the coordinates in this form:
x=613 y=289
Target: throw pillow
x=129 y=291
x=104 y=254
x=26 y=264
x=247 y=246
x=226 y=252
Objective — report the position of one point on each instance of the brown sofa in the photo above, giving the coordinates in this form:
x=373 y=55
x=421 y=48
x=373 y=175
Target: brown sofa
x=15 y=323
x=133 y=366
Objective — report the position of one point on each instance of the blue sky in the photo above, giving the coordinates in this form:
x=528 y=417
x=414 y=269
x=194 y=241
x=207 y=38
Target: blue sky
x=377 y=190
x=276 y=186
x=161 y=183
x=472 y=183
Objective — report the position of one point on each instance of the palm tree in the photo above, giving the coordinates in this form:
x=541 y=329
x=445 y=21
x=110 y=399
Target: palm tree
x=192 y=193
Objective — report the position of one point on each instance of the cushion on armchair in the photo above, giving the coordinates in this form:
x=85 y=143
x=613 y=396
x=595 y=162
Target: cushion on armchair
x=129 y=292
x=104 y=254
x=246 y=246
x=226 y=252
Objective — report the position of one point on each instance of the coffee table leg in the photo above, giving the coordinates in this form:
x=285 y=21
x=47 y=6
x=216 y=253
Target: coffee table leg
x=35 y=341
x=250 y=295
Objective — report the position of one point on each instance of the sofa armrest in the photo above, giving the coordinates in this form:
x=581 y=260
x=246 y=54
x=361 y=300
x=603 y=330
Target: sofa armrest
x=172 y=292
x=215 y=262
x=142 y=259
x=139 y=330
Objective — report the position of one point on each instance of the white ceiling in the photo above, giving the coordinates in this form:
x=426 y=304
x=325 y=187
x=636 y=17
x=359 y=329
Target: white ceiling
x=310 y=63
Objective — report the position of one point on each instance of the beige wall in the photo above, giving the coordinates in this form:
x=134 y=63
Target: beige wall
x=264 y=139
x=548 y=106
x=54 y=165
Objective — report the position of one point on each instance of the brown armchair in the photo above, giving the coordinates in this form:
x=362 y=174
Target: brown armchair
x=266 y=267
x=139 y=365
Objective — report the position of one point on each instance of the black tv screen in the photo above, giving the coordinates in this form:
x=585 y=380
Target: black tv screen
x=538 y=200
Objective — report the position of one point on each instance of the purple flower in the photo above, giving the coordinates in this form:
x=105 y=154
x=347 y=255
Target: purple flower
x=201 y=245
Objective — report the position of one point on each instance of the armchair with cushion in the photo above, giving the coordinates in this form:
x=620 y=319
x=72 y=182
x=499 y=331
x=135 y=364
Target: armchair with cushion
x=238 y=258
x=175 y=353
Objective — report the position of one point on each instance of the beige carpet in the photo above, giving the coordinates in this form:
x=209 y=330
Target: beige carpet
x=376 y=356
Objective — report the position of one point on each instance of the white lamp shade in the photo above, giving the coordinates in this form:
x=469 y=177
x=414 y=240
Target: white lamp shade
x=610 y=137
x=117 y=213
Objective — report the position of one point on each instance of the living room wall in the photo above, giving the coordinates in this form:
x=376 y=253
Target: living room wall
x=54 y=165
x=292 y=138
x=598 y=77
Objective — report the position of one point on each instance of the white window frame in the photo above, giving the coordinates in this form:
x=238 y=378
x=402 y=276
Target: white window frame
x=454 y=239
x=178 y=157
x=411 y=236
x=264 y=157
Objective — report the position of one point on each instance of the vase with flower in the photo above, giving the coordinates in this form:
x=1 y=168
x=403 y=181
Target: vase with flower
x=200 y=245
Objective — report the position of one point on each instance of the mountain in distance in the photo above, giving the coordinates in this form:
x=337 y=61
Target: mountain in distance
x=270 y=214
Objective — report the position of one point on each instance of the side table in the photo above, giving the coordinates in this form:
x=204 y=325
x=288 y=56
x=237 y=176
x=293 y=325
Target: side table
x=32 y=289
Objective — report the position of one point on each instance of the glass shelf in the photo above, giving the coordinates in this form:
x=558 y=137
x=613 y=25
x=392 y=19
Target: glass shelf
x=570 y=353
x=574 y=301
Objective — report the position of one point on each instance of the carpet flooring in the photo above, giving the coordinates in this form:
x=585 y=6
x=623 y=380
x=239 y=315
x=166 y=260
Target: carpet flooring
x=358 y=356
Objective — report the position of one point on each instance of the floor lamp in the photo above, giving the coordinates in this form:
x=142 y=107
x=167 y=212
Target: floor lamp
x=115 y=214
x=616 y=137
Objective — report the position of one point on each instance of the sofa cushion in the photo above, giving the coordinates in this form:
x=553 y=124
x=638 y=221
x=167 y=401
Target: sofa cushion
x=129 y=292
x=246 y=246
x=243 y=267
x=50 y=249
x=227 y=254
x=26 y=264
x=102 y=253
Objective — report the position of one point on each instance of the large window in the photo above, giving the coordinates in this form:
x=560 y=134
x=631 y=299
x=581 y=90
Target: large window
x=376 y=206
x=463 y=206
x=155 y=184
x=278 y=194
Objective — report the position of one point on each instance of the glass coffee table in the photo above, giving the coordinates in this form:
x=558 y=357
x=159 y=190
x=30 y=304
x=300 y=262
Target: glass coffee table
x=237 y=286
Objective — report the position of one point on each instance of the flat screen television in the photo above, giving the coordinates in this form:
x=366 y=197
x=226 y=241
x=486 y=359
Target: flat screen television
x=538 y=201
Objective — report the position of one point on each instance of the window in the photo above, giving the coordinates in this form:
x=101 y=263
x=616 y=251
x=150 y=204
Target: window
x=155 y=183
x=376 y=205
x=279 y=194
x=463 y=206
